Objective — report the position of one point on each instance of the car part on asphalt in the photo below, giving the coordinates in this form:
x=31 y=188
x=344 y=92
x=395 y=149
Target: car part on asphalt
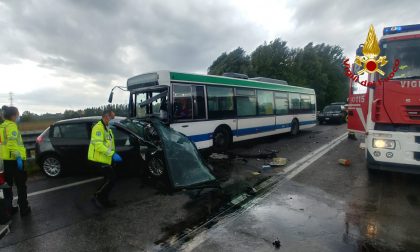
x=278 y=162
x=344 y=162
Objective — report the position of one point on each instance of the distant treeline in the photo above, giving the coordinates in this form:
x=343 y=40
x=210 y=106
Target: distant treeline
x=119 y=109
x=314 y=66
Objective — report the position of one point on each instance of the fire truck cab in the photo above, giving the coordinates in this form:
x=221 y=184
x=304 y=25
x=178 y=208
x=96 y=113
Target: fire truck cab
x=388 y=113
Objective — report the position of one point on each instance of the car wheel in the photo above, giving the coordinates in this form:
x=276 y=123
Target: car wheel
x=294 y=128
x=156 y=167
x=52 y=166
x=221 y=139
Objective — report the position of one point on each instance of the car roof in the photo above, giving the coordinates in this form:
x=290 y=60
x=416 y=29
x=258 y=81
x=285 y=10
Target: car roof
x=86 y=119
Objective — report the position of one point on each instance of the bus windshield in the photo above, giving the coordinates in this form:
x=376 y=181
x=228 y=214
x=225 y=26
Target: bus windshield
x=408 y=52
x=152 y=103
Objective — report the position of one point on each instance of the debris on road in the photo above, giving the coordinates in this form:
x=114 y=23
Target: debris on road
x=219 y=156
x=362 y=146
x=352 y=136
x=344 y=162
x=256 y=173
x=277 y=243
x=251 y=191
x=278 y=162
x=265 y=167
x=265 y=154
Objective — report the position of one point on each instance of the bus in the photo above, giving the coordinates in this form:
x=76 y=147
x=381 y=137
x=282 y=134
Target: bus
x=218 y=110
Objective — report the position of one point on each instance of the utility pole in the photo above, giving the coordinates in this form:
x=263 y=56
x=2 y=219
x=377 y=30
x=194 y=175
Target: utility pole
x=11 y=98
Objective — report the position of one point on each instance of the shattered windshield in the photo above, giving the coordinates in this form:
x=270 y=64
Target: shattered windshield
x=185 y=166
x=136 y=126
x=408 y=52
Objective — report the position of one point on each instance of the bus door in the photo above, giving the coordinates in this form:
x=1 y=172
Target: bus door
x=358 y=104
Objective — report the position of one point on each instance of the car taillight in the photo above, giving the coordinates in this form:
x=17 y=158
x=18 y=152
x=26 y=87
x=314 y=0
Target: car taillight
x=40 y=139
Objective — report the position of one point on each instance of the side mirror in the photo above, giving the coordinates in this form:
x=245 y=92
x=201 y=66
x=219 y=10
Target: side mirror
x=111 y=96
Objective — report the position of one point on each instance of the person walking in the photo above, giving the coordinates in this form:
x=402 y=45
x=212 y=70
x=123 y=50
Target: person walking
x=102 y=154
x=13 y=154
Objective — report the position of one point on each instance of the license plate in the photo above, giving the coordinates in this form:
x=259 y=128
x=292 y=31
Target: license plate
x=327 y=118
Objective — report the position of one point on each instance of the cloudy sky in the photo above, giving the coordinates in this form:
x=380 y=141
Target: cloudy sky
x=68 y=54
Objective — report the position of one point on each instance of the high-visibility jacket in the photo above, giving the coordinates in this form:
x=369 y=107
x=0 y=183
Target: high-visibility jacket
x=11 y=144
x=102 y=146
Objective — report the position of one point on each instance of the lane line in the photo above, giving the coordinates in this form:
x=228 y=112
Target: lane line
x=62 y=187
x=302 y=164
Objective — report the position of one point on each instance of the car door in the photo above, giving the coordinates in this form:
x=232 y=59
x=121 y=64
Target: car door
x=71 y=141
x=127 y=146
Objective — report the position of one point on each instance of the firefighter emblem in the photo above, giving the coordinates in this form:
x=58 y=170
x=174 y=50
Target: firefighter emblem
x=371 y=61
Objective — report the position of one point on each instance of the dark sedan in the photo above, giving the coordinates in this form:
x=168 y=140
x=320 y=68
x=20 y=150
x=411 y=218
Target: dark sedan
x=333 y=113
x=146 y=143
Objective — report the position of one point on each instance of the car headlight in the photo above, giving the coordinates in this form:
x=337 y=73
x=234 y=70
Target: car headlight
x=383 y=144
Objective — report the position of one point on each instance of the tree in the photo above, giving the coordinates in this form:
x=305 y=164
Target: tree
x=314 y=66
x=236 y=61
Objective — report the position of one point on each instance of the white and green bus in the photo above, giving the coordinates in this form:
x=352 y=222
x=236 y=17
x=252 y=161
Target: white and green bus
x=218 y=110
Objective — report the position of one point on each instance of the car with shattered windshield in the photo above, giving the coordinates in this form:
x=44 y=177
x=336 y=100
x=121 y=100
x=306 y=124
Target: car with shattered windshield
x=147 y=144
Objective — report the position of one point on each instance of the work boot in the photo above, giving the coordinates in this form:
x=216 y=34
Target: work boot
x=25 y=211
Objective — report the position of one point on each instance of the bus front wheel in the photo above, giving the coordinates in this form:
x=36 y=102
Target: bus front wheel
x=294 y=127
x=221 y=139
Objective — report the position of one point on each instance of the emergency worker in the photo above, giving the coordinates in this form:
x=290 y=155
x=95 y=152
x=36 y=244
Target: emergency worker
x=102 y=155
x=13 y=155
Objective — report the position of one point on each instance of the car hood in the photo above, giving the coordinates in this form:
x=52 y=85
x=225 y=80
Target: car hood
x=184 y=165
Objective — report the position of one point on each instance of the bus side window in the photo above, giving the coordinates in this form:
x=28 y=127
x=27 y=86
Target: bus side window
x=182 y=102
x=313 y=104
x=246 y=102
x=305 y=104
x=265 y=102
x=294 y=102
x=220 y=102
x=282 y=103
x=199 y=102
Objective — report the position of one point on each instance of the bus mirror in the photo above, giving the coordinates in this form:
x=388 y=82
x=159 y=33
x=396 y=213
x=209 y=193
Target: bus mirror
x=111 y=96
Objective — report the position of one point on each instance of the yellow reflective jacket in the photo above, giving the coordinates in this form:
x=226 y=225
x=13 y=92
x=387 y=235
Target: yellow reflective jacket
x=102 y=146
x=11 y=144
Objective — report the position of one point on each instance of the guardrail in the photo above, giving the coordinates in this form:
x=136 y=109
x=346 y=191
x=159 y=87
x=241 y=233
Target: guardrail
x=29 y=140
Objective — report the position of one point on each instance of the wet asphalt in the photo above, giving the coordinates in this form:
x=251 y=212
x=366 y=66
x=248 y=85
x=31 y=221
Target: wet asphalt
x=326 y=207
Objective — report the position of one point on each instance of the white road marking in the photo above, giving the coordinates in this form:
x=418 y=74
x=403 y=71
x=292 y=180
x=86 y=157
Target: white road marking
x=62 y=187
x=309 y=159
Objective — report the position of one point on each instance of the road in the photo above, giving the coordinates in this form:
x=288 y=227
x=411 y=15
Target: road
x=312 y=204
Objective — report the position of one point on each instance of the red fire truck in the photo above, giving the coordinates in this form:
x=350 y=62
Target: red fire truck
x=388 y=113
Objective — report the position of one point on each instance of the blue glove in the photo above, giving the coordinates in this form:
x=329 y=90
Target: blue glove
x=19 y=163
x=117 y=158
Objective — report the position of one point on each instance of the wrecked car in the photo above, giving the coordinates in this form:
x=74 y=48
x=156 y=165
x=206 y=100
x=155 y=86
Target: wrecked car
x=147 y=143
x=170 y=154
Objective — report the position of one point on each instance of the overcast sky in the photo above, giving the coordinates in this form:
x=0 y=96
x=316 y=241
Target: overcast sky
x=68 y=54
